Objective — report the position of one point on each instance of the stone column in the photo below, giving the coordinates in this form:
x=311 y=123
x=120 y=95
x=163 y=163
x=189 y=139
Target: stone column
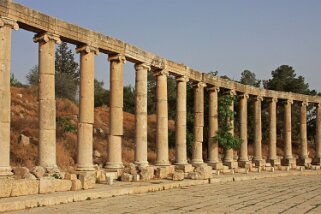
x=288 y=159
x=213 y=155
x=273 y=159
x=47 y=101
x=229 y=154
x=317 y=158
x=180 y=124
x=198 y=123
x=6 y=26
x=304 y=160
x=114 y=155
x=258 y=132
x=141 y=114
x=86 y=108
x=162 y=118
x=244 y=158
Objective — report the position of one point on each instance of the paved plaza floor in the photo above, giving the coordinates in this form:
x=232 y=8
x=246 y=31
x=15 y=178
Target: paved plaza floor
x=291 y=194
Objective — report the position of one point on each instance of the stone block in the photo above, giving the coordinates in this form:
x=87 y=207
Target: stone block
x=69 y=176
x=259 y=163
x=76 y=185
x=146 y=173
x=244 y=164
x=109 y=180
x=304 y=162
x=161 y=172
x=316 y=161
x=46 y=185
x=231 y=165
x=291 y=162
x=24 y=187
x=38 y=171
x=126 y=177
x=102 y=179
x=185 y=168
x=178 y=175
x=136 y=177
x=88 y=180
x=275 y=162
x=201 y=172
x=5 y=187
x=62 y=185
x=20 y=172
x=113 y=175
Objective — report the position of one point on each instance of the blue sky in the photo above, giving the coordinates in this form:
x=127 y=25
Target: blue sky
x=208 y=35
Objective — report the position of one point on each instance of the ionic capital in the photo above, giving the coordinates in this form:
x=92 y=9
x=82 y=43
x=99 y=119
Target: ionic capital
x=272 y=99
x=244 y=96
x=117 y=57
x=87 y=49
x=9 y=22
x=182 y=79
x=258 y=98
x=318 y=105
x=230 y=92
x=46 y=37
x=304 y=103
x=289 y=101
x=213 y=89
x=199 y=85
x=161 y=73
x=142 y=66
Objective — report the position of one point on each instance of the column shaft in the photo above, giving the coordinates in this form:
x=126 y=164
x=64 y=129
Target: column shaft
x=258 y=129
x=141 y=114
x=6 y=26
x=303 y=131
x=86 y=108
x=272 y=130
x=317 y=158
x=114 y=153
x=213 y=156
x=162 y=118
x=287 y=130
x=47 y=101
x=180 y=124
x=198 y=123
x=243 y=128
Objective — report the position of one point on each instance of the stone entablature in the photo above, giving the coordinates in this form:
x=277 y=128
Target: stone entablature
x=37 y=22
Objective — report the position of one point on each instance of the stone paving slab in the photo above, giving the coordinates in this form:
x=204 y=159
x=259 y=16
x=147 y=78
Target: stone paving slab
x=241 y=196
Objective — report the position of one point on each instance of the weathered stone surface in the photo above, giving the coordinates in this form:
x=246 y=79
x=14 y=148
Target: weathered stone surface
x=76 y=185
x=5 y=187
x=30 y=176
x=20 y=172
x=185 y=168
x=126 y=177
x=38 y=171
x=69 y=176
x=161 y=172
x=201 y=172
x=24 y=140
x=46 y=185
x=62 y=185
x=146 y=173
x=88 y=180
x=25 y=187
x=178 y=175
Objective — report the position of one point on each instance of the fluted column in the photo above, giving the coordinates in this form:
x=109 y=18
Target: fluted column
x=229 y=154
x=288 y=159
x=317 y=158
x=141 y=114
x=258 y=132
x=114 y=155
x=198 y=123
x=47 y=101
x=244 y=158
x=273 y=159
x=213 y=155
x=86 y=108
x=6 y=26
x=304 y=158
x=162 y=118
x=180 y=123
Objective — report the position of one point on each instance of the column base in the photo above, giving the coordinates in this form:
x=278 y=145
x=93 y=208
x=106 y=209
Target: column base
x=231 y=165
x=259 y=163
x=304 y=162
x=162 y=163
x=216 y=166
x=316 y=161
x=141 y=164
x=289 y=162
x=5 y=172
x=274 y=162
x=184 y=167
x=114 y=166
x=85 y=168
x=244 y=164
x=197 y=162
